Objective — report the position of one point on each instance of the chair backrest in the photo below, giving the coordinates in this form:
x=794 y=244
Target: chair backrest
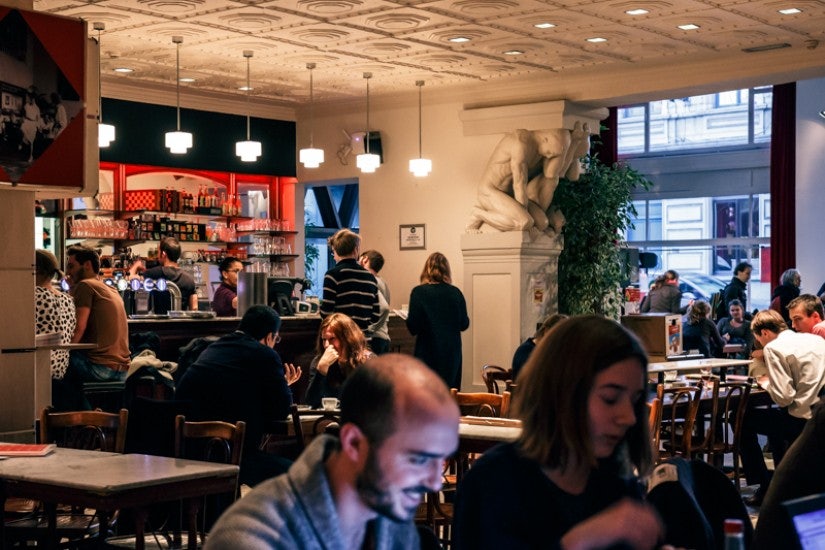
x=89 y=430
x=681 y=406
x=213 y=441
x=656 y=410
x=482 y=404
x=732 y=411
x=280 y=442
x=152 y=425
x=492 y=374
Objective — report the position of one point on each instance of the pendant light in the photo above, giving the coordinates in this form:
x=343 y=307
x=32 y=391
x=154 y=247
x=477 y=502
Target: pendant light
x=178 y=142
x=311 y=157
x=367 y=162
x=248 y=150
x=420 y=167
x=105 y=132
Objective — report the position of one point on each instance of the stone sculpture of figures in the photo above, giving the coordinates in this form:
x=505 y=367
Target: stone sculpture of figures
x=522 y=174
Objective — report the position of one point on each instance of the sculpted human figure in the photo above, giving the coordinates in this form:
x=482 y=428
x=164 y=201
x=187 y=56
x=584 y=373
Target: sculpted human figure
x=521 y=177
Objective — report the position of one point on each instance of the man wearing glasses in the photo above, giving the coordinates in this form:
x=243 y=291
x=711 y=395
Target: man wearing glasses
x=242 y=377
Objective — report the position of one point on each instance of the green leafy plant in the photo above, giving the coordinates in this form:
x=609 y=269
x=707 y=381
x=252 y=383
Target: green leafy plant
x=311 y=253
x=599 y=210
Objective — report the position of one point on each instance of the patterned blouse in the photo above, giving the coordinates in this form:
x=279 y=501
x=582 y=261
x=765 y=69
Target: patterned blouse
x=55 y=312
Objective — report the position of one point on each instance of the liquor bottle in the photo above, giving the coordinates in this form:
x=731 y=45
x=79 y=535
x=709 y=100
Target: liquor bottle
x=734 y=534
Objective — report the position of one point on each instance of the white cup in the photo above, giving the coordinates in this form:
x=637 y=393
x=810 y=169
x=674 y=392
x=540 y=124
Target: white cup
x=329 y=403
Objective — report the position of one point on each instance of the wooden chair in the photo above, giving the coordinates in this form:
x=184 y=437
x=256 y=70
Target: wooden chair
x=482 y=404
x=680 y=407
x=493 y=374
x=211 y=441
x=725 y=436
x=86 y=430
x=655 y=411
x=282 y=443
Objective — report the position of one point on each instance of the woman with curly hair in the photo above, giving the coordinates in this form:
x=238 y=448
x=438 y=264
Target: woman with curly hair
x=438 y=315
x=340 y=349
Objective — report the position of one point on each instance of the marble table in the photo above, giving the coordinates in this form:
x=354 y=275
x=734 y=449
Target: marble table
x=107 y=482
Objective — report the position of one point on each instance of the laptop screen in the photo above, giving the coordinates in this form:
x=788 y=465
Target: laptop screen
x=808 y=517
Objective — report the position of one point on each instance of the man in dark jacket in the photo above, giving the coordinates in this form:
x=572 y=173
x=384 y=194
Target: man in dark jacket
x=241 y=377
x=738 y=287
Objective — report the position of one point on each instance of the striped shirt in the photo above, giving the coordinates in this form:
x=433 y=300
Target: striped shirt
x=350 y=289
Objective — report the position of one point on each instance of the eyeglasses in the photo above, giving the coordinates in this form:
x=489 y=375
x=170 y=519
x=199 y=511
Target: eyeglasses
x=277 y=338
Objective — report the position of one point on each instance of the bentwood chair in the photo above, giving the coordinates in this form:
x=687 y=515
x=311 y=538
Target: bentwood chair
x=85 y=430
x=493 y=374
x=280 y=441
x=725 y=436
x=655 y=411
x=211 y=441
x=482 y=404
x=681 y=406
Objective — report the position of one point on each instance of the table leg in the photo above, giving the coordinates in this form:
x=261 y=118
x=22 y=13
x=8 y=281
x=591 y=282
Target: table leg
x=51 y=517
x=2 y=523
x=140 y=528
x=192 y=508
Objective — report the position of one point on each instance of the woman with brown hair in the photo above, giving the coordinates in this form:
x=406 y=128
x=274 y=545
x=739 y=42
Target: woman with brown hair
x=569 y=480
x=438 y=315
x=341 y=348
x=700 y=333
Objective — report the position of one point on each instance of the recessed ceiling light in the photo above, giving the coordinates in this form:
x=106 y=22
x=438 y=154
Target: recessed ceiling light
x=459 y=39
x=790 y=11
x=513 y=52
x=638 y=11
x=187 y=79
x=596 y=39
x=544 y=25
x=689 y=27
x=123 y=70
x=244 y=88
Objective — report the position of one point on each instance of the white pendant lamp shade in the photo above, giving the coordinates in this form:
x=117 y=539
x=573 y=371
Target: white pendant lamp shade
x=178 y=142
x=420 y=167
x=311 y=157
x=248 y=150
x=105 y=132
x=367 y=162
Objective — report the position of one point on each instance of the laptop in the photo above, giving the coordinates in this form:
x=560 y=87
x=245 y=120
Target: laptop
x=808 y=517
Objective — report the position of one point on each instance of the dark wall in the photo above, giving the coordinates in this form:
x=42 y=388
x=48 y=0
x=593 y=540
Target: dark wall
x=140 y=130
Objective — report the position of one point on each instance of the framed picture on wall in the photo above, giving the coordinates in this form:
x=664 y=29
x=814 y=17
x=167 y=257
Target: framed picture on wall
x=412 y=237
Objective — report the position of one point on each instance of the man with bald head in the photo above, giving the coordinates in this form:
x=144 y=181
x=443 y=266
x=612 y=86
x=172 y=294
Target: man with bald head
x=361 y=489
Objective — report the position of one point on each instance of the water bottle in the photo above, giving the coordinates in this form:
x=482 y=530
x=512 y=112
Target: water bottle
x=734 y=534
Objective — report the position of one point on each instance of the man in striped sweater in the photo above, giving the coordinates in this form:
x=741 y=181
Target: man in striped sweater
x=349 y=288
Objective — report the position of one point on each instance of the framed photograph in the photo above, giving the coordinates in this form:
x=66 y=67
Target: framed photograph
x=412 y=237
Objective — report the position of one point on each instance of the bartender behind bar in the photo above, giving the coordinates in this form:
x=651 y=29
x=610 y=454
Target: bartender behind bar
x=168 y=255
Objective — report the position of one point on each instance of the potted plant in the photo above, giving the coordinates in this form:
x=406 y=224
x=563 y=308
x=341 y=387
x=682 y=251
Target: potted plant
x=598 y=211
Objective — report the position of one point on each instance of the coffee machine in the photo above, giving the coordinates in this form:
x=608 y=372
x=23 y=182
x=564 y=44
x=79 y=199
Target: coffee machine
x=283 y=293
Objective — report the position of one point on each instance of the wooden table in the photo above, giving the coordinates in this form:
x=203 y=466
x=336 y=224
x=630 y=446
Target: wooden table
x=694 y=365
x=477 y=434
x=107 y=482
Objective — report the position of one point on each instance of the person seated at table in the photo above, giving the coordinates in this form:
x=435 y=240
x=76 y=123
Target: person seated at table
x=169 y=252
x=800 y=474
x=362 y=489
x=796 y=365
x=341 y=348
x=735 y=329
x=664 y=296
x=699 y=332
x=55 y=313
x=568 y=482
x=225 y=301
x=526 y=348
x=806 y=314
x=241 y=377
x=101 y=320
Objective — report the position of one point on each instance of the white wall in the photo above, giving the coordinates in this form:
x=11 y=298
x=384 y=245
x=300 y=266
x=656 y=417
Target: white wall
x=392 y=195
x=810 y=180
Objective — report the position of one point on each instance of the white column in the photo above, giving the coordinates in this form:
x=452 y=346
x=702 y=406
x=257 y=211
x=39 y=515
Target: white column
x=510 y=283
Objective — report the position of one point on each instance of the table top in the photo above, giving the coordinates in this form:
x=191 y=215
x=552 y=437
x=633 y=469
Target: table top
x=106 y=473
x=493 y=429
x=696 y=364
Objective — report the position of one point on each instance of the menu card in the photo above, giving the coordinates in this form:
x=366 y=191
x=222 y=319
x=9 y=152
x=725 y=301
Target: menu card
x=26 y=449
